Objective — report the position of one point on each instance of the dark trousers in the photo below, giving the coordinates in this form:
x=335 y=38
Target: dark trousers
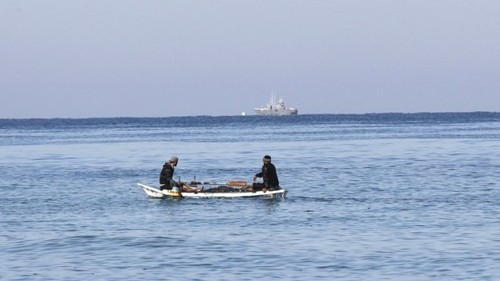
x=260 y=186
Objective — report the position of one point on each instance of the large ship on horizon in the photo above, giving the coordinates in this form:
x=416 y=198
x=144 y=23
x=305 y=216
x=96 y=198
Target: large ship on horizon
x=276 y=108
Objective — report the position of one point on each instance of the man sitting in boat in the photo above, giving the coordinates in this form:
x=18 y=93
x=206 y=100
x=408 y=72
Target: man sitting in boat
x=167 y=173
x=268 y=174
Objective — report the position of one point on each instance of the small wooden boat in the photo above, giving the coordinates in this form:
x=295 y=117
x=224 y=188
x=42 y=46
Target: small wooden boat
x=212 y=193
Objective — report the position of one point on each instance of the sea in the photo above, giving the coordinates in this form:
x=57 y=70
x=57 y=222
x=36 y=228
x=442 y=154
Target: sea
x=370 y=197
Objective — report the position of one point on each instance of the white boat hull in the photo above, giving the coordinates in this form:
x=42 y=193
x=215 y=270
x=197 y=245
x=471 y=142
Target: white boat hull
x=156 y=193
x=277 y=112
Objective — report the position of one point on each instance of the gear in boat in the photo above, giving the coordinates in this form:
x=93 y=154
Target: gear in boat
x=233 y=186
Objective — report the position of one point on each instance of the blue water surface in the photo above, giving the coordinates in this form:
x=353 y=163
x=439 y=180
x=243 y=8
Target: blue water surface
x=371 y=197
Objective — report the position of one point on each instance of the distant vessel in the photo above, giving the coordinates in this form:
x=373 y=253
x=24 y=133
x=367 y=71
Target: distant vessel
x=275 y=108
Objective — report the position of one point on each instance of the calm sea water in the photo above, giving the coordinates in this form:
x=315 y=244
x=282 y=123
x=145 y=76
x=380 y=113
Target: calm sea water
x=371 y=197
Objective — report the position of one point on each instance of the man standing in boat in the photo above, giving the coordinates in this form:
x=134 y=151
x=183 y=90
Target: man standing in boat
x=269 y=175
x=167 y=174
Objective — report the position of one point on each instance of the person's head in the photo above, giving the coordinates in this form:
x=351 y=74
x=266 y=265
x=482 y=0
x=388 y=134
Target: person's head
x=174 y=160
x=267 y=159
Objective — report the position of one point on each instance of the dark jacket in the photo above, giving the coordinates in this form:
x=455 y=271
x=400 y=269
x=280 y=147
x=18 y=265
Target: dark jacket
x=269 y=175
x=166 y=175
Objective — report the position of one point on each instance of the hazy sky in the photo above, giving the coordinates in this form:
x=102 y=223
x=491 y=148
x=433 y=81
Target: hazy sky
x=175 y=58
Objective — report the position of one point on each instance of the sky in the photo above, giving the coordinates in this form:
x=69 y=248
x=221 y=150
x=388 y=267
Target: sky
x=123 y=58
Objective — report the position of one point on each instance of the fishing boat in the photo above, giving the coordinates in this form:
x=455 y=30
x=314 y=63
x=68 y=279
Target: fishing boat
x=274 y=108
x=213 y=191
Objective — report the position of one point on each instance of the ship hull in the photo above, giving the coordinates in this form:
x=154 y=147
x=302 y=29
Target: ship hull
x=268 y=112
